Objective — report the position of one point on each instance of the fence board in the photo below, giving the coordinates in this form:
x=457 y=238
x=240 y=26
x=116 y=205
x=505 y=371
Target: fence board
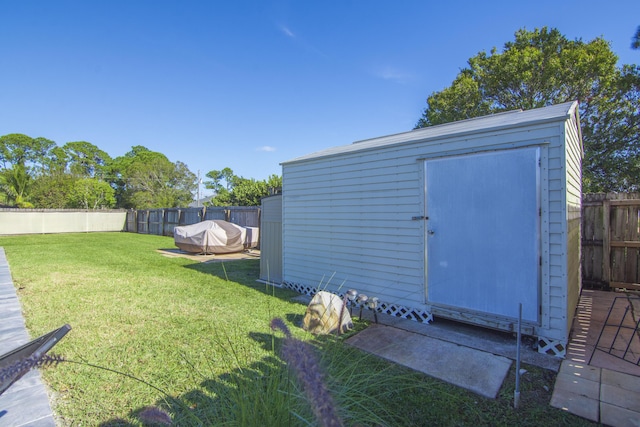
x=617 y=235
x=143 y=222
x=171 y=219
x=215 y=213
x=244 y=216
x=191 y=216
x=592 y=240
x=611 y=240
x=156 y=218
x=132 y=222
x=631 y=235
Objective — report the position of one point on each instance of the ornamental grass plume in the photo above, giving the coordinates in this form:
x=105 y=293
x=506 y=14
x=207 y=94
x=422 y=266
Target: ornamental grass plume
x=300 y=356
x=24 y=365
x=150 y=415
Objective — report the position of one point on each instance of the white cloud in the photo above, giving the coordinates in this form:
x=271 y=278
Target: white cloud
x=266 y=148
x=300 y=41
x=393 y=74
x=287 y=32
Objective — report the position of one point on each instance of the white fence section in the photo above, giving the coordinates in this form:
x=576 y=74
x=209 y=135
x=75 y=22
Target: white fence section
x=45 y=221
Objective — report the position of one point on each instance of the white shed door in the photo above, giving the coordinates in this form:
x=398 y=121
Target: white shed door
x=483 y=232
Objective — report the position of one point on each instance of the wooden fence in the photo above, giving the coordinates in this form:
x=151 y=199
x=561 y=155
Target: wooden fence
x=162 y=221
x=611 y=241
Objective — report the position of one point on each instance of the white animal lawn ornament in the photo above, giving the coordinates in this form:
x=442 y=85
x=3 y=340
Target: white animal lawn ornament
x=325 y=312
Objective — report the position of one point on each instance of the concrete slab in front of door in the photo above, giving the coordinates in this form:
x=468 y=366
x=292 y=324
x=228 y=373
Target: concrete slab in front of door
x=472 y=369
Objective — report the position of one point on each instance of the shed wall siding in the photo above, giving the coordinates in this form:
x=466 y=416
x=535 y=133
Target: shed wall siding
x=556 y=240
x=350 y=218
x=347 y=218
x=574 y=212
x=271 y=240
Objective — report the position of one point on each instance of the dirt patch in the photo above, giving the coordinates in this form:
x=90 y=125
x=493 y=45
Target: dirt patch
x=175 y=252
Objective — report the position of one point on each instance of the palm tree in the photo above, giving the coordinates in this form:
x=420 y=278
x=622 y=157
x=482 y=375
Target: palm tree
x=15 y=183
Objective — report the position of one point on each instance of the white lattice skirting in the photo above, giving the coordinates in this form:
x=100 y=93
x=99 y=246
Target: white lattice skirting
x=545 y=345
x=552 y=347
x=395 y=310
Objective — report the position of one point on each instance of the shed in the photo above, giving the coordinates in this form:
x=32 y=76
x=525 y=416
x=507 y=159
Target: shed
x=271 y=239
x=464 y=221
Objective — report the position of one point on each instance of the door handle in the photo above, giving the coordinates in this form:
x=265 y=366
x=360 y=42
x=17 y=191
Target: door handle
x=418 y=218
x=431 y=232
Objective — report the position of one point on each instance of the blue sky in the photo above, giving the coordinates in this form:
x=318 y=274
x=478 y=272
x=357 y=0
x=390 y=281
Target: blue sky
x=250 y=84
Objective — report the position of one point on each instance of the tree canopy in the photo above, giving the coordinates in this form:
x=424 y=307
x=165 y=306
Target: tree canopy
x=147 y=179
x=19 y=149
x=88 y=193
x=541 y=68
x=85 y=159
x=35 y=172
x=232 y=190
x=16 y=182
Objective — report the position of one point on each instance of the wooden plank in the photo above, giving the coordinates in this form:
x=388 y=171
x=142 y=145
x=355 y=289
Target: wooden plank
x=606 y=239
x=588 y=223
x=625 y=244
x=587 y=242
x=622 y=285
x=587 y=262
x=634 y=202
x=633 y=234
x=594 y=283
x=598 y=232
x=617 y=234
x=625 y=233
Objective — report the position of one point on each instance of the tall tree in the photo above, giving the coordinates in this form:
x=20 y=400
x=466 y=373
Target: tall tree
x=541 y=68
x=85 y=159
x=248 y=192
x=221 y=182
x=52 y=191
x=15 y=183
x=91 y=193
x=56 y=163
x=147 y=179
x=22 y=159
x=239 y=191
x=20 y=149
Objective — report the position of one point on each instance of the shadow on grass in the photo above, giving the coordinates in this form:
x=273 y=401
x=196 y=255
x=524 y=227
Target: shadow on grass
x=367 y=390
x=247 y=394
x=265 y=392
x=243 y=272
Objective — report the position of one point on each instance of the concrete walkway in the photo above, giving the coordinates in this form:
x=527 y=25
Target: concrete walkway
x=596 y=381
x=25 y=403
x=598 y=394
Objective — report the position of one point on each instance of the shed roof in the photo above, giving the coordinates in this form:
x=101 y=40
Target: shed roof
x=493 y=122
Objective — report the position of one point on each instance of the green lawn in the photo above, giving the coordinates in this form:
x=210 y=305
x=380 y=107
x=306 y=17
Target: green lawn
x=200 y=333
